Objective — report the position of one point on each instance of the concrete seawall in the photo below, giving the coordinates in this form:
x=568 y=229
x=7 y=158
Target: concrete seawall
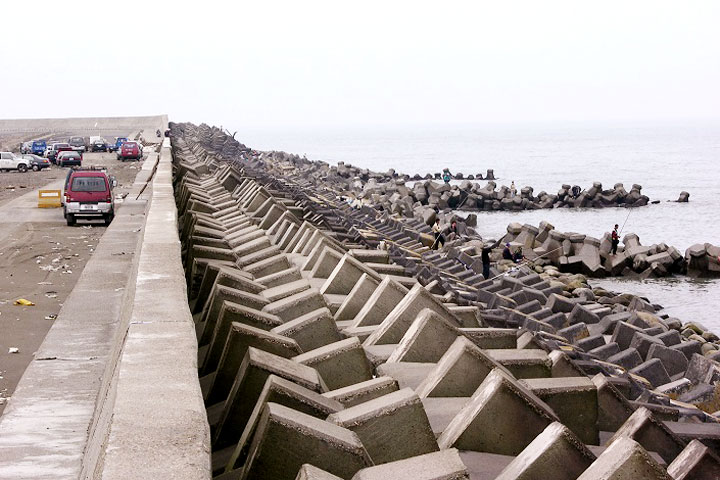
x=113 y=391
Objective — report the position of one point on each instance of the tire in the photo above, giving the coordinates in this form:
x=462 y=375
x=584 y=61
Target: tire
x=70 y=219
x=35 y=168
x=22 y=168
x=109 y=218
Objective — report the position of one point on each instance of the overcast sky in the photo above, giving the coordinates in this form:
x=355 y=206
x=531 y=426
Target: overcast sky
x=305 y=63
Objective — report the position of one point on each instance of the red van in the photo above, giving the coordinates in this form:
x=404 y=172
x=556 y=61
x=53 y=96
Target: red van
x=89 y=194
x=129 y=150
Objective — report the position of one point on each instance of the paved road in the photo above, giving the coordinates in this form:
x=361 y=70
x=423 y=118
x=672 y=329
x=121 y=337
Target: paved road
x=41 y=259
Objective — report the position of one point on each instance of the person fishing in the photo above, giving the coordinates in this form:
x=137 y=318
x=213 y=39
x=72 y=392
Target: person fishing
x=518 y=255
x=507 y=254
x=615 y=238
x=485 y=256
x=446 y=176
x=439 y=238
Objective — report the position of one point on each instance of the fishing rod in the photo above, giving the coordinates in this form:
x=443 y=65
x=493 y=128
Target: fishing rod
x=626 y=219
x=516 y=266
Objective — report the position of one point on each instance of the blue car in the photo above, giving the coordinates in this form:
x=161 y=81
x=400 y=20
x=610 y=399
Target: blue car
x=118 y=143
x=38 y=147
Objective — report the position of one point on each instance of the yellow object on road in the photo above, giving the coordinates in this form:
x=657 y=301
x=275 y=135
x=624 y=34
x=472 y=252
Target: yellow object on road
x=49 y=199
x=23 y=302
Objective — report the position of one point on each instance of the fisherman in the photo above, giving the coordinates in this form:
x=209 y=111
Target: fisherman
x=439 y=238
x=518 y=255
x=507 y=253
x=513 y=190
x=615 y=237
x=485 y=256
x=446 y=175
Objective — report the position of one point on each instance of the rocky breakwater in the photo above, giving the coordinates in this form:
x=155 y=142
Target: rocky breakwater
x=397 y=196
x=579 y=253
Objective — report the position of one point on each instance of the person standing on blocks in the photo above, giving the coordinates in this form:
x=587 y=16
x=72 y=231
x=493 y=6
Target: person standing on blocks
x=615 y=237
x=439 y=238
x=487 y=249
x=513 y=190
x=446 y=176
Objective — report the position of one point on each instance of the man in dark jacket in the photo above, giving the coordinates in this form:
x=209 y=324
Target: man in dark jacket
x=615 y=237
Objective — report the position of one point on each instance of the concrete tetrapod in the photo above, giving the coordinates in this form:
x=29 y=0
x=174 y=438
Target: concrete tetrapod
x=392 y=427
x=286 y=439
x=556 y=453
x=625 y=459
x=501 y=417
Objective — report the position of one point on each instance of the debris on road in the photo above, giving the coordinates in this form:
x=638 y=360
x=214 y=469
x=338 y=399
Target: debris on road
x=13 y=350
x=25 y=303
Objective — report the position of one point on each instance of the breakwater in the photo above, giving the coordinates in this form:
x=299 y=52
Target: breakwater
x=334 y=343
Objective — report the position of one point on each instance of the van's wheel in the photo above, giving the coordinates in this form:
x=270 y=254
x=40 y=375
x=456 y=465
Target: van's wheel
x=70 y=218
x=22 y=168
x=35 y=168
x=109 y=218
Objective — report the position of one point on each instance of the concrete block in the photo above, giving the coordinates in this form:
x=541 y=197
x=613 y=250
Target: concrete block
x=625 y=459
x=442 y=465
x=340 y=364
x=556 y=453
x=397 y=322
x=364 y=391
x=689 y=348
x=558 y=303
x=623 y=334
x=381 y=302
x=580 y=313
x=563 y=366
x=606 y=351
x=308 y=472
x=357 y=298
x=326 y=263
x=527 y=363
x=673 y=361
x=627 y=359
x=392 y=427
x=574 y=400
x=501 y=417
x=574 y=333
x=283 y=392
x=427 y=339
x=233 y=313
x=459 y=372
x=254 y=370
x=487 y=338
x=345 y=275
x=286 y=439
x=613 y=408
x=312 y=330
x=282 y=291
x=407 y=374
x=641 y=342
x=695 y=462
x=218 y=296
x=294 y=306
x=240 y=338
x=652 y=434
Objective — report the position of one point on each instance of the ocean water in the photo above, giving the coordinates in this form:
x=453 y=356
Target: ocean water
x=664 y=158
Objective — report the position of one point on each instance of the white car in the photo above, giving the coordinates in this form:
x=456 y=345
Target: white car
x=8 y=161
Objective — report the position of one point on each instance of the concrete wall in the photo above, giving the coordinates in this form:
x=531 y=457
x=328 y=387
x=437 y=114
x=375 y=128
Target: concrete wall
x=113 y=391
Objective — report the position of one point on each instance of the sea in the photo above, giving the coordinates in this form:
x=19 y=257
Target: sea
x=664 y=158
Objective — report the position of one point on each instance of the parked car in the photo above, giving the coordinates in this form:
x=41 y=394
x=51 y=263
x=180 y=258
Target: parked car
x=129 y=150
x=55 y=149
x=38 y=147
x=88 y=194
x=65 y=159
x=25 y=147
x=98 y=146
x=36 y=162
x=77 y=144
x=9 y=161
x=118 y=142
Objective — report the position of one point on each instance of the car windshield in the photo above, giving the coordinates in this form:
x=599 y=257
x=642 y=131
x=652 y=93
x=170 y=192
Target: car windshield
x=100 y=142
x=38 y=144
x=88 y=184
x=61 y=145
x=129 y=144
x=69 y=155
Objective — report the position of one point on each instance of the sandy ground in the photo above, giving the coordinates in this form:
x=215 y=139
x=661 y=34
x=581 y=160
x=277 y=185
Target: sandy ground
x=41 y=259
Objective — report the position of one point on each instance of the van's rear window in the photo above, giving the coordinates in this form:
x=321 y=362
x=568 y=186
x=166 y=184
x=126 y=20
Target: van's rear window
x=88 y=184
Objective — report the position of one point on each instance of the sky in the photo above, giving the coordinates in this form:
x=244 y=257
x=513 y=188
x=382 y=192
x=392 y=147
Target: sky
x=331 y=63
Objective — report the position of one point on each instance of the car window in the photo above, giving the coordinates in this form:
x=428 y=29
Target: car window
x=89 y=184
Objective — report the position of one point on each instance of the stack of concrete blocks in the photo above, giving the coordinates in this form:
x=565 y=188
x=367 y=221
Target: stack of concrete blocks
x=576 y=253
x=317 y=361
x=703 y=260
